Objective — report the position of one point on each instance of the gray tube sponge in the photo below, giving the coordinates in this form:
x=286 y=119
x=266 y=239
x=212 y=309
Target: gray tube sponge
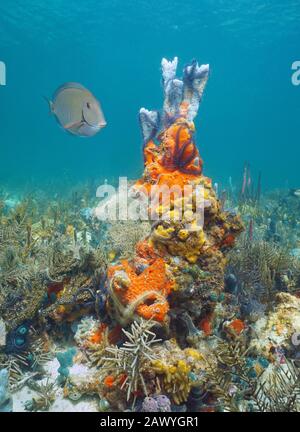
x=195 y=78
x=173 y=89
x=149 y=123
x=169 y=69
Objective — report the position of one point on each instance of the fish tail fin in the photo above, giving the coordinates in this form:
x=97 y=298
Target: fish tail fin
x=50 y=104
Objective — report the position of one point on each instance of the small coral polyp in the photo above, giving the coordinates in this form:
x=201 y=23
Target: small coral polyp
x=141 y=287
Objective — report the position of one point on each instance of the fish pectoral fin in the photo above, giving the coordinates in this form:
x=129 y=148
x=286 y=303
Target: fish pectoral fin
x=71 y=125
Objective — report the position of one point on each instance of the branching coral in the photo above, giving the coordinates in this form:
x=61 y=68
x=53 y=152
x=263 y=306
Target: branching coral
x=128 y=364
x=280 y=391
x=27 y=363
x=45 y=395
x=227 y=376
x=40 y=352
x=15 y=365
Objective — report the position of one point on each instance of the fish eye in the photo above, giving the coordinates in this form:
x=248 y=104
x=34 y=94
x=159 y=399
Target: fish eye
x=88 y=105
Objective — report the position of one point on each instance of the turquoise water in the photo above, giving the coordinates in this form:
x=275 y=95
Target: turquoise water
x=250 y=110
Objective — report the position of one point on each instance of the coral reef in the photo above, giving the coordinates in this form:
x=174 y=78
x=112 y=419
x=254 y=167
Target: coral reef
x=192 y=306
x=180 y=227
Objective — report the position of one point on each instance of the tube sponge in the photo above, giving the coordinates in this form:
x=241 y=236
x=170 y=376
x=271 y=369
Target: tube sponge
x=5 y=398
x=65 y=360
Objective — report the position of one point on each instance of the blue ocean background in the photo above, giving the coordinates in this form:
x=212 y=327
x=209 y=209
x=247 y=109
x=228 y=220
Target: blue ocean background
x=250 y=111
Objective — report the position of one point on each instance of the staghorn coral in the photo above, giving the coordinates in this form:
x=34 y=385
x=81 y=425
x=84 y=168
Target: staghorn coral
x=95 y=341
x=129 y=362
x=41 y=351
x=28 y=362
x=16 y=365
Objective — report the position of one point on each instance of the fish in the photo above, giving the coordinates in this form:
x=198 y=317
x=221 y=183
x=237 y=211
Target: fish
x=77 y=110
x=295 y=193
